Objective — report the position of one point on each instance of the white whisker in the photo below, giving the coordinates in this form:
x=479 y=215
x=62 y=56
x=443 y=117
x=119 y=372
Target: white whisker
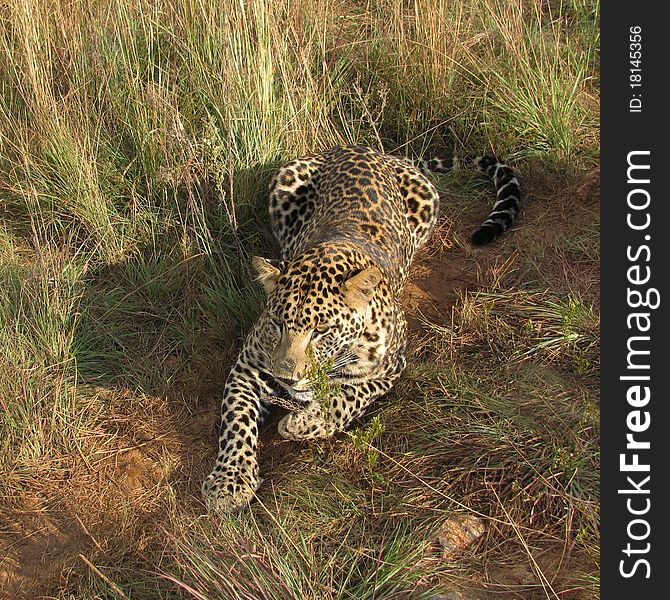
x=344 y=360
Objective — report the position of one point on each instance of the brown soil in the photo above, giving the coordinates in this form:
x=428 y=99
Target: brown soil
x=163 y=448
x=35 y=546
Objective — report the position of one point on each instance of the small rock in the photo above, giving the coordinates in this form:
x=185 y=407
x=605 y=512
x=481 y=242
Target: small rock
x=458 y=533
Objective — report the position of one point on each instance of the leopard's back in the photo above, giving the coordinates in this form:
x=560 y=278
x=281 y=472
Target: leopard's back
x=356 y=197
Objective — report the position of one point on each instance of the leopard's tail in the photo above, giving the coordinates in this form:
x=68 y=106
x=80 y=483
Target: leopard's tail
x=508 y=200
x=508 y=195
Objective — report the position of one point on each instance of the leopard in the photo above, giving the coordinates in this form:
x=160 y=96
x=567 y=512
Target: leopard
x=348 y=222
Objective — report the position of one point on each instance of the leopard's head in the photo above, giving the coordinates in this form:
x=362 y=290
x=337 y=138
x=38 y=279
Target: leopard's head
x=317 y=306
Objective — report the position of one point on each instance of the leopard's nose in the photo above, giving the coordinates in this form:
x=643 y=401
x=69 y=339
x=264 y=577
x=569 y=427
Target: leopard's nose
x=287 y=365
x=285 y=371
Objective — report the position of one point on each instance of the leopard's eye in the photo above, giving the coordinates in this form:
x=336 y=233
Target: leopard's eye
x=321 y=330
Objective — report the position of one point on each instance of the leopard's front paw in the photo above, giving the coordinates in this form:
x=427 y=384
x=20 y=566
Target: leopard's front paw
x=226 y=492
x=305 y=425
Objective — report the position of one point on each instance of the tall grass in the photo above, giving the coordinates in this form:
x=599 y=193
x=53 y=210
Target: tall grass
x=109 y=109
x=41 y=413
x=520 y=73
x=136 y=143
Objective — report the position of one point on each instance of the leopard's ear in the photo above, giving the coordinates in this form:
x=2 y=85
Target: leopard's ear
x=360 y=287
x=268 y=272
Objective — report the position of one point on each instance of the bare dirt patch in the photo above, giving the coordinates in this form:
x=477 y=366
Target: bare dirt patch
x=112 y=498
x=434 y=285
x=35 y=546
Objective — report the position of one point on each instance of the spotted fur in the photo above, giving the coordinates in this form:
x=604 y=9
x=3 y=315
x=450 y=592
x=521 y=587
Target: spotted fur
x=348 y=222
